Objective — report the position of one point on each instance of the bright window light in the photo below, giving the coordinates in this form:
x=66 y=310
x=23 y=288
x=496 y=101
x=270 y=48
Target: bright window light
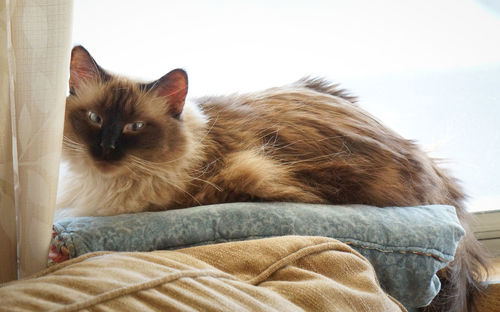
x=428 y=69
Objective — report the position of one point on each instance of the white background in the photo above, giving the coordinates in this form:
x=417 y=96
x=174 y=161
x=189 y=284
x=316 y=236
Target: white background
x=428 y=69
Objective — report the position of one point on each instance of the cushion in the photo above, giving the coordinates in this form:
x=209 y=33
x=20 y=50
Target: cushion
x=275 y=274
x=406 y=245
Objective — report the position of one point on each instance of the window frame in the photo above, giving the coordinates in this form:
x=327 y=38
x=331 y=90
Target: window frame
x=486 y=228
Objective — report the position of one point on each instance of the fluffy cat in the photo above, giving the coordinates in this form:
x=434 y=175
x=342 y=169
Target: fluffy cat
x=134 y=147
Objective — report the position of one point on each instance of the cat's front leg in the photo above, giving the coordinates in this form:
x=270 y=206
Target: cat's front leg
x=251 y=175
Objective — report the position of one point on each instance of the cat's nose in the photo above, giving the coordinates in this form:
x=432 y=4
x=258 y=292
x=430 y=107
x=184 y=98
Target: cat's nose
x=108 y=146
x=108 y=150
x=110 y=137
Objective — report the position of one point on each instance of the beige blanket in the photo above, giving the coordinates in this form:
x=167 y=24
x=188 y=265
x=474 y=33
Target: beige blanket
x=291 y=273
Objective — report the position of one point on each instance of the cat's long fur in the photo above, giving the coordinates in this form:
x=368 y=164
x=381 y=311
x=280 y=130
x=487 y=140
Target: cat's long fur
x=305 y=142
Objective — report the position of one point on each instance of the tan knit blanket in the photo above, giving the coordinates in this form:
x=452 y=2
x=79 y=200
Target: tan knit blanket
x=291 y=273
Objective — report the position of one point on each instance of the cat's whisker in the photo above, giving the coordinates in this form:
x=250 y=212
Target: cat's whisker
x=72 y=146
x=69 y=144
x=205 y=168
x=154 y=164
x=218 y=188
x=76 y=154
x=209 y=129
x=70 y=140
x=74 y=150
x=184 y=191
x=153 y=171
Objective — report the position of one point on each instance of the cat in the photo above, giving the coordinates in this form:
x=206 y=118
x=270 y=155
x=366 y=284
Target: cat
x=133 y=147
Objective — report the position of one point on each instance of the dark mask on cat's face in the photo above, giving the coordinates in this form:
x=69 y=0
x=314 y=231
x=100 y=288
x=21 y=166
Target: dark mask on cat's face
x=114 y=119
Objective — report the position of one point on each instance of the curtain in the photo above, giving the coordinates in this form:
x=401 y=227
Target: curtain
x=35 y=44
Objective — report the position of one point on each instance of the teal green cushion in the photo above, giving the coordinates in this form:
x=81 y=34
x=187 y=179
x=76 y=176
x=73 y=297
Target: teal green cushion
x=406 y=245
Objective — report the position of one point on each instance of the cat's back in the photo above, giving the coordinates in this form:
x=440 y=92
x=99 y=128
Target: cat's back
x=305 y=108
x=323 y=142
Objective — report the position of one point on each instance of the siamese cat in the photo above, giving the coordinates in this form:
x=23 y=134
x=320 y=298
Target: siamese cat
x=133 y=147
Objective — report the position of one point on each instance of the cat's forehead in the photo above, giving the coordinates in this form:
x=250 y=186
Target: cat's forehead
x=127 y=99
x=120 y=95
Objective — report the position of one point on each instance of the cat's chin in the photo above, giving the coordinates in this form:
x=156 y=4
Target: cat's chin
x=109 y=169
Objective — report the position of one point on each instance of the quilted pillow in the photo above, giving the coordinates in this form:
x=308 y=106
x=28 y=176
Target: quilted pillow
x=406 y=245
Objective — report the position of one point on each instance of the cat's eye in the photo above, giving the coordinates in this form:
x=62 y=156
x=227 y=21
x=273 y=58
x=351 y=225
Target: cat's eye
x=134 y=127
x=95 y=118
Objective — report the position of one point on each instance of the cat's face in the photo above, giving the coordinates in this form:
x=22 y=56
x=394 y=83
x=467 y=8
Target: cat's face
x=114 y=122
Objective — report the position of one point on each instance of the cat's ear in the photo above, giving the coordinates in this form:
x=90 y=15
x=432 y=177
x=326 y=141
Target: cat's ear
x=173 y=88
x=83 y=67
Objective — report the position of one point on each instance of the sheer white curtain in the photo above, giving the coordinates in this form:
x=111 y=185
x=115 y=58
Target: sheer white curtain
x=35 y=44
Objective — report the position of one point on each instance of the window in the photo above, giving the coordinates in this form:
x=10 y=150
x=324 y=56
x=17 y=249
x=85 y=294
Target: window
x=428 y=69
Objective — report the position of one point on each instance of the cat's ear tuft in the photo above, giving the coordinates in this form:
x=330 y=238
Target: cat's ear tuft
x=83 y=67
x=173 y=87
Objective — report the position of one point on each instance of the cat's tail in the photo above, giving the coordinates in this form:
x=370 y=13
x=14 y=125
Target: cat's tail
x=323 y=86
x=463 y=280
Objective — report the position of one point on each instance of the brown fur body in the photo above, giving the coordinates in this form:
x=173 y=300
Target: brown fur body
x=306 y=142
